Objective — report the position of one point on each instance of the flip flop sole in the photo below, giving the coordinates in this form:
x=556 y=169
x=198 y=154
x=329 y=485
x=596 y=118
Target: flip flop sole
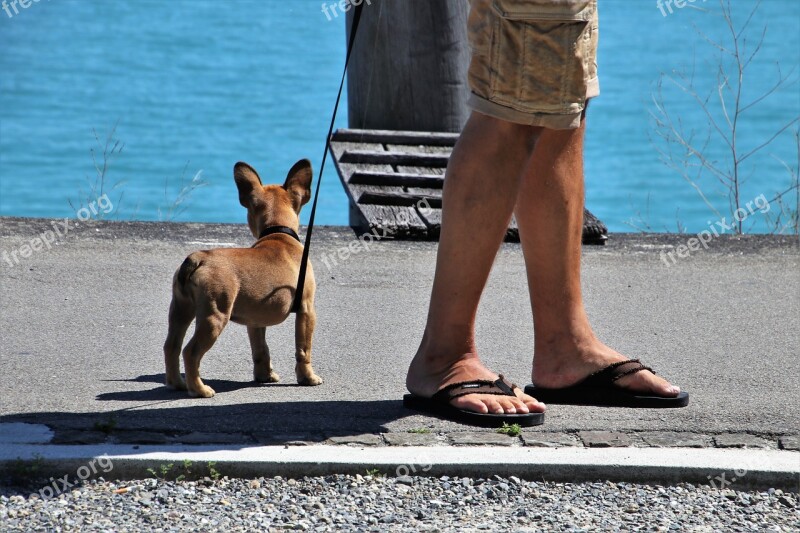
x=604 y=397
x=454 y=414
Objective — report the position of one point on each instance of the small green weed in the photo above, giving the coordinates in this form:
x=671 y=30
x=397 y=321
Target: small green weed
x=512 y=430
x=107 y=426
x=213 y=473
x=163 y=471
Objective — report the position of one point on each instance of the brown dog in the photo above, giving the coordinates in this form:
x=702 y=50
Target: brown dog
x=252 y=286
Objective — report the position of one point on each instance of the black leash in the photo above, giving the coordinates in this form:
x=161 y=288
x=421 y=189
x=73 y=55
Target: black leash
x=301 y=281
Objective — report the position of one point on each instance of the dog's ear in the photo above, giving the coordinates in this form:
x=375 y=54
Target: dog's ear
x=298 y=183
x=247 y=181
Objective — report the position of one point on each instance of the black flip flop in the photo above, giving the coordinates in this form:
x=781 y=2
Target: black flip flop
x=599 y=389
x=439 y=404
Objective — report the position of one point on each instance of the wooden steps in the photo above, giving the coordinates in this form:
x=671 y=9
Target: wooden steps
x=394 y=180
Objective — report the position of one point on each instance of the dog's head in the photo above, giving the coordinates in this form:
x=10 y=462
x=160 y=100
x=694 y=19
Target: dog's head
x=273 y=205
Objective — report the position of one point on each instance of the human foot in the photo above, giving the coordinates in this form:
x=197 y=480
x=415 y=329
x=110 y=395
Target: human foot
x=562 y=363
x=428 y=375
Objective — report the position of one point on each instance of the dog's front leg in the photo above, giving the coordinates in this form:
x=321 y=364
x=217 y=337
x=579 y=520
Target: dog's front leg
x=262 y=365
x=303 y=333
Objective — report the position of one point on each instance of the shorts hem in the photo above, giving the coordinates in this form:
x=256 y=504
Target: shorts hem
x=553 y=121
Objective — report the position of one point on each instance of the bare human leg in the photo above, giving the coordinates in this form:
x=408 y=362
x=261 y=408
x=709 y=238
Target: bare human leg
x=480 y=191
x=549 y=213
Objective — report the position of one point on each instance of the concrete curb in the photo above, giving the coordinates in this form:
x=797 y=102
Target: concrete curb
x=721 y=469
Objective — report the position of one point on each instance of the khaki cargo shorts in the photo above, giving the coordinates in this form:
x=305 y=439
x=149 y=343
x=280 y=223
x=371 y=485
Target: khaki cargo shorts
x=534 y=62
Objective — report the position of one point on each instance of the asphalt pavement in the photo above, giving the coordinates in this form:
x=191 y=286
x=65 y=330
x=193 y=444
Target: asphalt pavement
x=83 y=321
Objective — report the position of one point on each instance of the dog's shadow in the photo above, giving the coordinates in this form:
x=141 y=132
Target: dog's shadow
x=164 y=393
x=314 y=416
x=229 y=426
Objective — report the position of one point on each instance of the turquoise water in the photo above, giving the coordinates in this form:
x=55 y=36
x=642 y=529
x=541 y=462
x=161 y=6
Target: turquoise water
x=194 y=86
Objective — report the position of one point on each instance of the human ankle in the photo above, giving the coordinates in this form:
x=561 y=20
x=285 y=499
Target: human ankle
x=438 y=347
x=441 y=360
x=564 y=342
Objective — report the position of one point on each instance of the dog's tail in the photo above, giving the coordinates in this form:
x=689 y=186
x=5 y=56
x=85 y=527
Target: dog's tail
x=189 y=266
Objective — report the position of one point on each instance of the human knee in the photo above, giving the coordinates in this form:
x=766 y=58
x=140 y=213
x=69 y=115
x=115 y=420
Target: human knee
x=505 y=132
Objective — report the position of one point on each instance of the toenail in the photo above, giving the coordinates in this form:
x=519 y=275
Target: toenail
x=676 y=390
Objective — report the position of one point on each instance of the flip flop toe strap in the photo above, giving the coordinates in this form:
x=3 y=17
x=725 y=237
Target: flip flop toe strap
x=498 y=387
x=616 y=371
x=632 y=371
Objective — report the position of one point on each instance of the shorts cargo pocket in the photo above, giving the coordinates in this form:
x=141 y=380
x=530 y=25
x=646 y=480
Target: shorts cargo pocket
x=479 y=27
x=542 y=54
x=589 y=51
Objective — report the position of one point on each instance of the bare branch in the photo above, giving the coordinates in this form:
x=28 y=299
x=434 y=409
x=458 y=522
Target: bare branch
x=757 y=49
x=721 y=86
x=781 y=81
x=749 y=18
x=762 y=145
x=712 y=42
x=704 y=105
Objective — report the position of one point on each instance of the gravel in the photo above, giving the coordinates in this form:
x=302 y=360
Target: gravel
x=367 y=503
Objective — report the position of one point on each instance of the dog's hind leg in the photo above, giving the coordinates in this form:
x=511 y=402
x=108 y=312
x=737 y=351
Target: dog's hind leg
x=207 y=330
x=181 y=315
x=262 y=365
x=304 y=332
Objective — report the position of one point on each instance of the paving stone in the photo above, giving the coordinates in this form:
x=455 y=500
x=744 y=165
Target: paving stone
x=289 y=440
x=411 y=439
x=790 y=442
x=482 y=439
x=549 y=440
x=605 y=439
x=198 y=437
x=139 y=437
x=367 y=439
x=73 y=436
x=676 y=439
x=740 y=440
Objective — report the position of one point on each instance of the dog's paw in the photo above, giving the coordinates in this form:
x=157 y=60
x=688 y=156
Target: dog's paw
x=204 y=392
x=309 y=381
x=273 y=377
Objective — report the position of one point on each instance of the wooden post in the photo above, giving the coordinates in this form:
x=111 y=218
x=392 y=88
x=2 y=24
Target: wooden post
x=409 y=66
x=408 y=72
